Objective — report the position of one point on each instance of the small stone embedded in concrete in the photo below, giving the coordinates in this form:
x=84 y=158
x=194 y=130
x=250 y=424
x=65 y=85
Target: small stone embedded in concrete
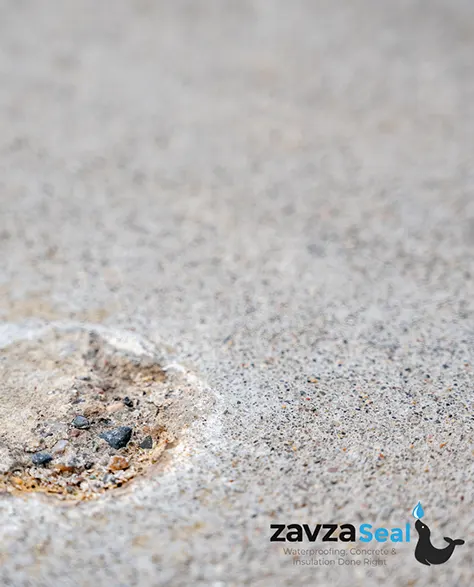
x=115 y=407
x=128 y=402
x=119 y=437
x=147 y=442
x=64 y=467
x=59 y=447
x=41 y=458
x=118 y=463
x=108 y=478
x=81 y=422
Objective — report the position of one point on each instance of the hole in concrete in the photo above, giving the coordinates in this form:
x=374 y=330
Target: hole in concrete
x=86 y=411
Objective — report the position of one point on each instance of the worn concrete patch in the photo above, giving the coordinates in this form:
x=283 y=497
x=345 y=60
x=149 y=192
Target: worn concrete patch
x=84 y=410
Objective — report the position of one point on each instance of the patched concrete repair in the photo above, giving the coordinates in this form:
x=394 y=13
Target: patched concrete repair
x=86 y=410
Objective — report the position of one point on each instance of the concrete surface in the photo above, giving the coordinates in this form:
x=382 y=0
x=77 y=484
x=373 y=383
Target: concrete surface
x=282 y=193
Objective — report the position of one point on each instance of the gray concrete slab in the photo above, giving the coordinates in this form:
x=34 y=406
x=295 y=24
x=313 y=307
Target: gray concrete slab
x=281 y=193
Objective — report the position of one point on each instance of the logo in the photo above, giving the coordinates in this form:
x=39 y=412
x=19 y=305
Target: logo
x=380 y=540
x=345 y=533
x=425 y=552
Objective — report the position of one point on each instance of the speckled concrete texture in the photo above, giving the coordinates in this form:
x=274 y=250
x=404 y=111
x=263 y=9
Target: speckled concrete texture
x=282 y=193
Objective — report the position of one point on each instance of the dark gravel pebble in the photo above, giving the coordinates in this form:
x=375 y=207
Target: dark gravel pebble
x=41 y=458
x=117 y=438
x=128 y=402
x=147 y=442
x=81 y=422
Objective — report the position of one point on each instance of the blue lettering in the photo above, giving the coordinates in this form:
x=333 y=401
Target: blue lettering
x=381 y=534
x=365 y=533
x=384 y=534
x=397 y=535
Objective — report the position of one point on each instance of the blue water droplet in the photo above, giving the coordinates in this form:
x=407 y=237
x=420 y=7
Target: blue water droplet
x=418 y=511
